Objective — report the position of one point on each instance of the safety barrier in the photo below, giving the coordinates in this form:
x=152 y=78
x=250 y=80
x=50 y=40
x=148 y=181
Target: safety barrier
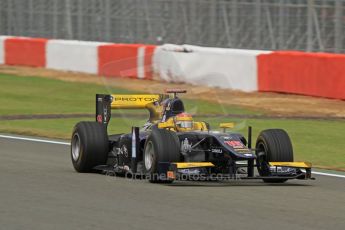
x=125 y=60
x=106 y=59
x=224 y=68
x=2 y=49
x=25 y=51
x=76 y=56
x=314 y=74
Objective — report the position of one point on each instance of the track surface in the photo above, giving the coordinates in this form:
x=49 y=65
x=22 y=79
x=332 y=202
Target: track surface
x=40 y=190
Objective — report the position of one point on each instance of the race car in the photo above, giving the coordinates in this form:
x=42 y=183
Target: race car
x=171 y=145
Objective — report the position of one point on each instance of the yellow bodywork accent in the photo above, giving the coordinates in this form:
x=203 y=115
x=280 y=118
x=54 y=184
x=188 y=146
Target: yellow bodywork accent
x=140 y=101
x=200 y=126
x=133 y=101
x=170 y=124
x=292 y=164
x=185 y=165
x=229 y=125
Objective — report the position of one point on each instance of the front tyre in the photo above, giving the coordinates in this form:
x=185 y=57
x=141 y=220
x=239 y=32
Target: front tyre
x=272 y=145
x=161 y=146
x=89 y=146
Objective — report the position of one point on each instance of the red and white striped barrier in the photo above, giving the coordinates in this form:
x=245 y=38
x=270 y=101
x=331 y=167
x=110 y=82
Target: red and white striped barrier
x=76 y=56
x=313 y=74
x=106 y=59
x=225 y=68
x=2 y=49
x=125 y=60
x=25 y=51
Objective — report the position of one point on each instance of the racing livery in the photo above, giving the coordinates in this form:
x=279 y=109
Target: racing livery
x=172 y=146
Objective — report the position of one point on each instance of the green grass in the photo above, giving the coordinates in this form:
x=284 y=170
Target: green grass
x=34 y=95
x=318 y=141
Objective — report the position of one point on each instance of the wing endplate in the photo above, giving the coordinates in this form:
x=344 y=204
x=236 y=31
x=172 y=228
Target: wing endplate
x=304 y=165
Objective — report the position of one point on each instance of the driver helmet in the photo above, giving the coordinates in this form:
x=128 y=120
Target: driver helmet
x=184 y=122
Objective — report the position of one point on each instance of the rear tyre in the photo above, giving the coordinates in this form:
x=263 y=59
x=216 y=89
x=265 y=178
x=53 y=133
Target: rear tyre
x=89 y=146
x=272 y=145
x=161 y=146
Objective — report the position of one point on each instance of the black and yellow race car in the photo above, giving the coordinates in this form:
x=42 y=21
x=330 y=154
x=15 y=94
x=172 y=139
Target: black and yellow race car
x=172 y=146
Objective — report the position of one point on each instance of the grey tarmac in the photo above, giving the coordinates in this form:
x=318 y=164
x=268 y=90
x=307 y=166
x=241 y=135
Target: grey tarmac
x=39 y=189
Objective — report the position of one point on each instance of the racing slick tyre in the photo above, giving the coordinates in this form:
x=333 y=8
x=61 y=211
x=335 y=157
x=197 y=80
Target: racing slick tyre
x=272 y=145
x=161 y=146
x=89 y=146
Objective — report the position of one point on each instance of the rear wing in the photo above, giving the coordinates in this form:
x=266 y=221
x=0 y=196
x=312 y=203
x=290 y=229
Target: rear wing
x=106 y=102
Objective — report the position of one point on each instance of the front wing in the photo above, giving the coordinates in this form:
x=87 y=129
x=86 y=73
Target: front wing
x=201 y=171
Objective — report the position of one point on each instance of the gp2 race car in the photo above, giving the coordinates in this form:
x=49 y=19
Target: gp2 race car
x=172 y=146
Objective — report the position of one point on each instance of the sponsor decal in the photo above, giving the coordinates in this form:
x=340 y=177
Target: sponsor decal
x=105 y=112
x=274 y=169
x=189 y=171
x=171 y=175
x=216 y=150
x=244 y=151
x=186 y=146
x=235 y=144
x=134 y=99
x=99 y=118
x=124 y=151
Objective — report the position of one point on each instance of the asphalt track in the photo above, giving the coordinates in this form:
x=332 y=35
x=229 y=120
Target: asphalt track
x=40 y=190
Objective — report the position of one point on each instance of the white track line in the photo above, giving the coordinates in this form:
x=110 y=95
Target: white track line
x=328 y=174
x=66 y=143
x=35 y=140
